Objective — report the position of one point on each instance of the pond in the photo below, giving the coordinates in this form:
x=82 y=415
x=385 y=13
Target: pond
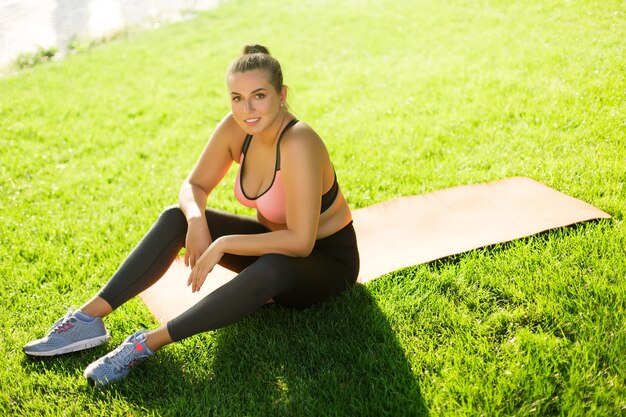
x=26 y=25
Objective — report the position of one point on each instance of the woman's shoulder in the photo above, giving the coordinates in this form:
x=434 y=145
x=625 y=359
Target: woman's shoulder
x=229 y=133
x=300 y=137
x=302 y=134
x=228 y=127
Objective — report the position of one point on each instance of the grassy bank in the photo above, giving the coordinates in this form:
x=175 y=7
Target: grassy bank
x=410 y=97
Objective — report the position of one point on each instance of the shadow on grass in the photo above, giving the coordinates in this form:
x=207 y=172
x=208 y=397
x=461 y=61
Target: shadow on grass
x=340 y=358
x=62 y=365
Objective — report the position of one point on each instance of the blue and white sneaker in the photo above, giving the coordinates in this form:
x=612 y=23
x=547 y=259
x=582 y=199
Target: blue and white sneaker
x=116 y=365
x=73 y=332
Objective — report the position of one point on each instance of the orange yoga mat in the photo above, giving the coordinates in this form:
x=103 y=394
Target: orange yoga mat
x=408 y=231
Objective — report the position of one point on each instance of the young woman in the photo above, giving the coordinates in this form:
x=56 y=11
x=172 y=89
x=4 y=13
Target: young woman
x=300 y=250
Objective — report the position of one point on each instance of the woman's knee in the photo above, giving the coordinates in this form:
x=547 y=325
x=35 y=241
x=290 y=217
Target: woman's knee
x=173 y=213
x=268 y=274
x=173 y=218
x=173 y=209
x=273 y=263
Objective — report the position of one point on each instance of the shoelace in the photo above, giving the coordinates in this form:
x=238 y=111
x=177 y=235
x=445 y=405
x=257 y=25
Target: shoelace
x=61 y=322
x=119 y=358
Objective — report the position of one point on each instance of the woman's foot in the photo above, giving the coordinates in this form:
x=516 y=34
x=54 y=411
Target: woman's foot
x=116 y=365
x=73 y=332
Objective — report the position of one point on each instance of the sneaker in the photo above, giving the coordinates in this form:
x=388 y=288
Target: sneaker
x=69 y=334
x=116 y=365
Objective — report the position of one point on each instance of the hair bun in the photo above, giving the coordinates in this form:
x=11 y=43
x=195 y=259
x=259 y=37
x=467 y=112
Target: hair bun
x=255 y=49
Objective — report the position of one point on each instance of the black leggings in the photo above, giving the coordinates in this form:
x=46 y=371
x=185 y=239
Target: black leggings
x=295 y=282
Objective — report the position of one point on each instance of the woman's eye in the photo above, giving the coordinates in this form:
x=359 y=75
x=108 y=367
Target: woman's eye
x=236 y=99
x=260 y=96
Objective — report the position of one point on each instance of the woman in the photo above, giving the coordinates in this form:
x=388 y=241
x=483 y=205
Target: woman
x=300 y=250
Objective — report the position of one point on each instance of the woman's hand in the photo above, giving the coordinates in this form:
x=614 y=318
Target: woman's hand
x=204 y=266
x=197 y=241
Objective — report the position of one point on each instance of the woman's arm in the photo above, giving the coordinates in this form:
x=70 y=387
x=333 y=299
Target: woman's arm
x=302 y=159
x=211 y=167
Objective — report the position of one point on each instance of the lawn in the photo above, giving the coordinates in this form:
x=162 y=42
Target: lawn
x=410 y=97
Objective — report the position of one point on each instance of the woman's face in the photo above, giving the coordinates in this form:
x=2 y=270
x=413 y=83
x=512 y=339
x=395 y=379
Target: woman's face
x=255 y=103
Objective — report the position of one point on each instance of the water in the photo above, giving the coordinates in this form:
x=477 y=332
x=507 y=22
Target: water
x=26 y=25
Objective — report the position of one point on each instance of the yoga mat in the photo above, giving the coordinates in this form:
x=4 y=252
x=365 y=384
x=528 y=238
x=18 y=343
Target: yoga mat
x=408 y=231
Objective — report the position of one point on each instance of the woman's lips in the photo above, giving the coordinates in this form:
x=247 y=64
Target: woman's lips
x=252 y=121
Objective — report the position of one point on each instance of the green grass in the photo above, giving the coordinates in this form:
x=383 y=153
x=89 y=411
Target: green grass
x=30 y=59
x=410 y=97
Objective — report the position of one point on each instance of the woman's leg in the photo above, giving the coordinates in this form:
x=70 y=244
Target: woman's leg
x=96 y=307
x=293 y=282
x=154 y=254
x=149 y=260
x=233 y=301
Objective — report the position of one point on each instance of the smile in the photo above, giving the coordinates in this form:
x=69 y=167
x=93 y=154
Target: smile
x=256 y=119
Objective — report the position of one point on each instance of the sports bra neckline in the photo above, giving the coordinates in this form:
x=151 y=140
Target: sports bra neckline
x=244 y=150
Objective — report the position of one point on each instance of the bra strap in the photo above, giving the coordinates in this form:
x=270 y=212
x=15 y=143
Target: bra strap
x=246 y=144
x=289 y=125
x=331 y=195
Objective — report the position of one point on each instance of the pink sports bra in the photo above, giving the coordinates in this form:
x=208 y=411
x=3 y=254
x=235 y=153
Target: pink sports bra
x=271 y=202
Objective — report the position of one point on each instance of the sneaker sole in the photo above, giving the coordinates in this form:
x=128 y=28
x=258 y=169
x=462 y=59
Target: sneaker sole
x=74 y=347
